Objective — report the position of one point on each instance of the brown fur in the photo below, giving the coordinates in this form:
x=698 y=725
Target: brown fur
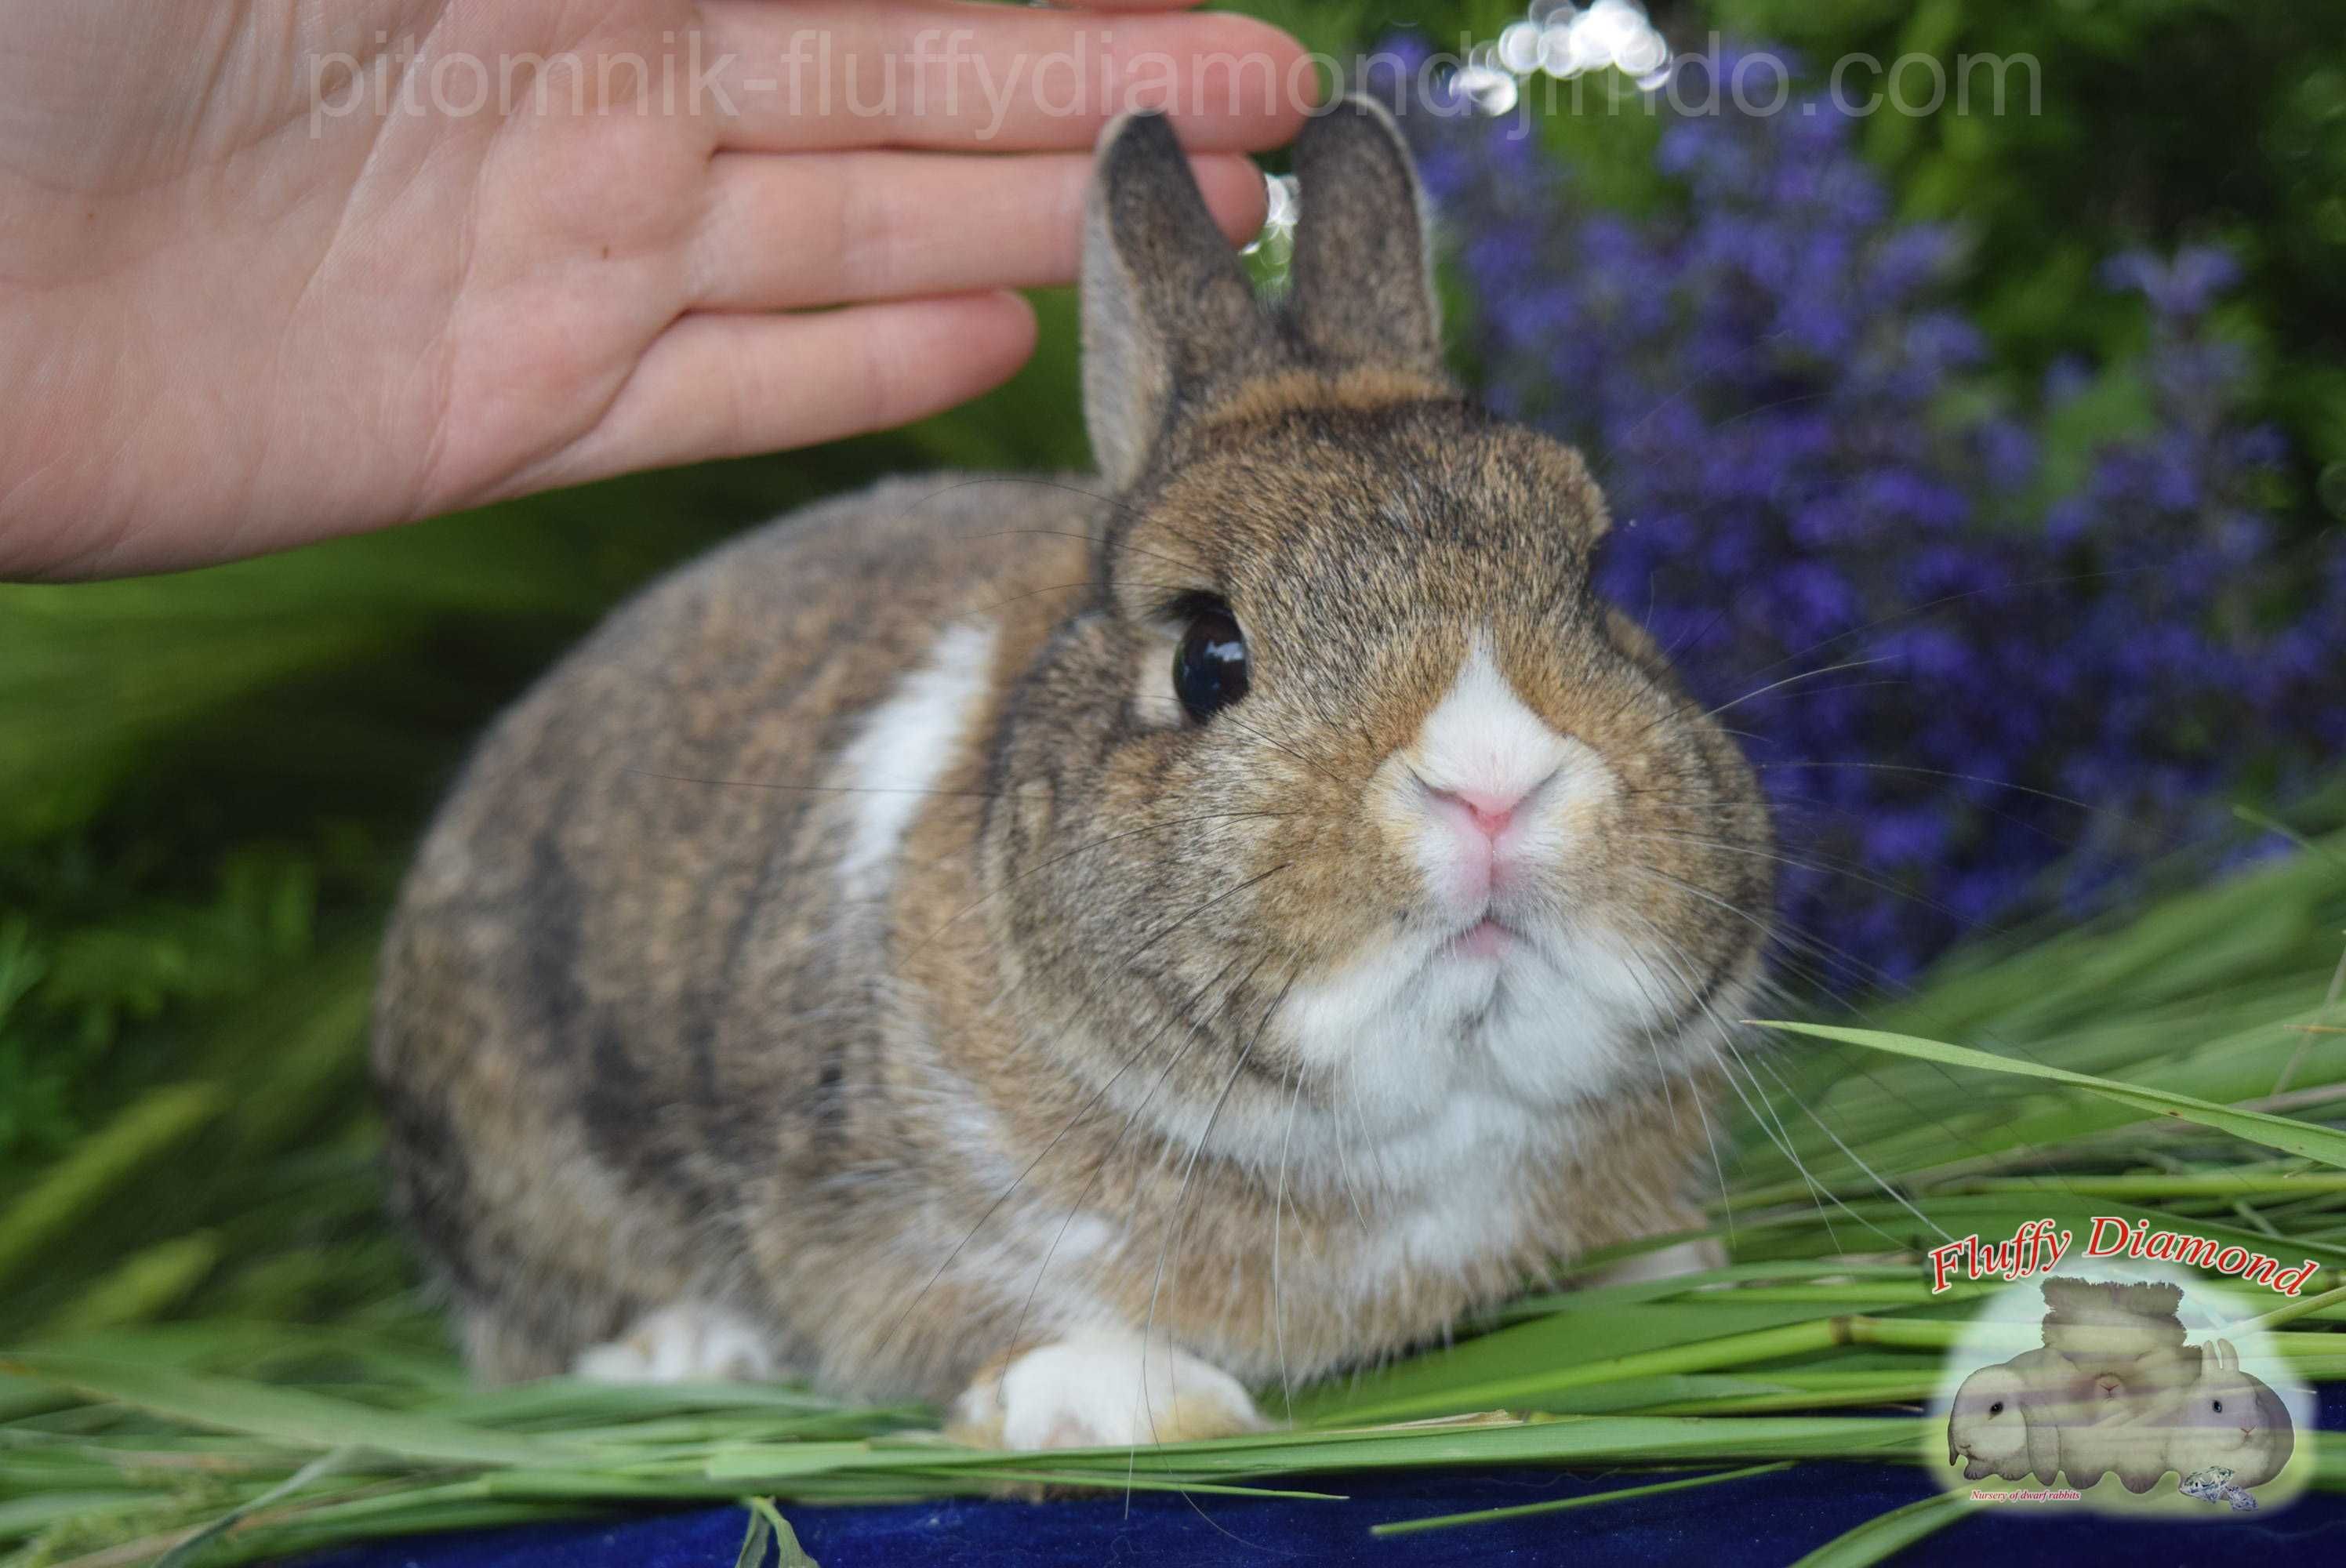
x=637 y=1045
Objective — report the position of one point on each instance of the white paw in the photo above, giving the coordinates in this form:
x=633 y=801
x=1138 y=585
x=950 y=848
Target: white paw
x=688 y=1342
x=1664 y=1263
x=1101 y=1388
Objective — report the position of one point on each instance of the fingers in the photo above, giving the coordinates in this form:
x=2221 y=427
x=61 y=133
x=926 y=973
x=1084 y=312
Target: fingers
x=936 y=74
x=823 y=228
x=728 y=385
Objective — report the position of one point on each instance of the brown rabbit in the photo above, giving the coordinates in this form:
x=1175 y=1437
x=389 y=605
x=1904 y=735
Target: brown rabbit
x=1066 y=947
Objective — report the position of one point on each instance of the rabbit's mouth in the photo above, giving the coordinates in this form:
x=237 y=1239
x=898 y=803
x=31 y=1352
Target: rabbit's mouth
x=1488 y=937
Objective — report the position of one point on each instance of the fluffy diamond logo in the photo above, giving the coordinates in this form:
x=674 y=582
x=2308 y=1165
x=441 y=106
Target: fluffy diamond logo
x=2099 y=1389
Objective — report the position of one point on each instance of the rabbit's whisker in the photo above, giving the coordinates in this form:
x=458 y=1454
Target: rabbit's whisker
x=1277 y=1220
x=1099 y=1167
x=1170 y=1247
x=1763 y=1114
x=1154 y=935
x=1788 y=934
x=1840 y=868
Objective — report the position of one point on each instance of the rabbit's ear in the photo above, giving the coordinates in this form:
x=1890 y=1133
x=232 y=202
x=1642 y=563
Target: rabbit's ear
x=2044 y=1450
x=1166 y=303
x=1363 y=274
x=2227 y=1359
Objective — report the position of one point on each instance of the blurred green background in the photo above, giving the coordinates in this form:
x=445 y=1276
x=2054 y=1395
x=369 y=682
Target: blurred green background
x=210 y=782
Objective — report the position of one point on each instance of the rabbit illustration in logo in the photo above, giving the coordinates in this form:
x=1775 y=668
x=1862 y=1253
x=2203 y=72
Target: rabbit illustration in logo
x=2115 y=1360
x=2229 y=1420
x=2006 y=1418
x=2112 y=1352
x=2223 y=1421
x=2124 y=1339
x=2115 y=1391
x=1992 y=1431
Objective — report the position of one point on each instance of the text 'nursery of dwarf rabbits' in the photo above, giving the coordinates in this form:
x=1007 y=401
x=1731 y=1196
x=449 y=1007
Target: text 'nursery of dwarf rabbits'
x=1070 y=949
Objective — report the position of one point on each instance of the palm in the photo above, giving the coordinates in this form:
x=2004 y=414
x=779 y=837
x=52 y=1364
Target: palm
x=551 y=253
x=266 y=312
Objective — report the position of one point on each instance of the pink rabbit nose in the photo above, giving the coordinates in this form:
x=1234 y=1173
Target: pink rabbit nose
x=1491 y=811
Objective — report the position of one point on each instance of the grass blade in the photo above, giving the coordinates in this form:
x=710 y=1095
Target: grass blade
x=754 y=1544
x=1886 y=1534
x=1557 y=1505
x=188 y=1551
x=794 y=1555
x=2305 y=1138
x=298 y=1417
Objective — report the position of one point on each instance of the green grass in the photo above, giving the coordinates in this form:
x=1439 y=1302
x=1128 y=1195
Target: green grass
x=2174 y=1065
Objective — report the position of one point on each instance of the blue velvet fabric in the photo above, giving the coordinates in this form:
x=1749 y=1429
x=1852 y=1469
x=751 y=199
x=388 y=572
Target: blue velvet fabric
x=1770 y=1519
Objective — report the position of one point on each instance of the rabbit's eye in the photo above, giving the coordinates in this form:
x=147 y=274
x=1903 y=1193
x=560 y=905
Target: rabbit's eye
x=2219 y=1407
x=1996 y=1409
x=1210 y=667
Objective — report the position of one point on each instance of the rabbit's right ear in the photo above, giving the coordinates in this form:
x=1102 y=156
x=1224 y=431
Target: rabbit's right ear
x=1166 y=304
x=1364 y=272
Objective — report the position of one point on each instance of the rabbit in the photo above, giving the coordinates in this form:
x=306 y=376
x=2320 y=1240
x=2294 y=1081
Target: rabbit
x=2227 y=1420
x=2113 y=1360
x=1080 y=952
x=1990 y=1429
x=2007 y=1418
x=2124 y=1340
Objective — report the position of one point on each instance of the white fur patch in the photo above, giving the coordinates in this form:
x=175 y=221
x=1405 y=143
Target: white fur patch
x=1411 y=1024
x=1481 y=737
x=1103 y=1387
x=684 y=1342
x=1083 y=1235
x=1681 y=1257
x=904 y=747
x=1154 y=705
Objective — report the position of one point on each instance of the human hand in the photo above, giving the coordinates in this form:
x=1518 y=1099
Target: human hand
x=264 y=279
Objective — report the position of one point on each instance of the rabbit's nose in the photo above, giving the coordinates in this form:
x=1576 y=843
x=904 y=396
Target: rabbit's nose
x=1490 y=811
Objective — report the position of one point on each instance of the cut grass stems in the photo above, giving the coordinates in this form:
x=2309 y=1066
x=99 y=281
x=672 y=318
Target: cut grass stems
x=170 y=1402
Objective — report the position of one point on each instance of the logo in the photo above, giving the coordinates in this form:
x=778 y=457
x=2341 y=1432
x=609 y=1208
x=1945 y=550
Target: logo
x=2115 y=1395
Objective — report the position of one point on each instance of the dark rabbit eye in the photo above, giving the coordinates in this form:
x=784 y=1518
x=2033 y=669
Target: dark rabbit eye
x=2219 y=1407
x=1210 y=667
x=1996 y=1409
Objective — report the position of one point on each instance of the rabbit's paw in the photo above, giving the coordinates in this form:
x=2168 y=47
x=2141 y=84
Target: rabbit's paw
x=685 y=1342
x=1101 y=1388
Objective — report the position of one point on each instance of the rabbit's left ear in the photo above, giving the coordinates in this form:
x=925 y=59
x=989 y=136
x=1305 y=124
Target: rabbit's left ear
x=1362 y=274
x=1166 y=307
